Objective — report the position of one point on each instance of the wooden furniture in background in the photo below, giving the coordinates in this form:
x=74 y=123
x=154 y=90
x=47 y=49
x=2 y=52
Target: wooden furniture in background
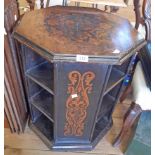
x=146 y=21
x=113 y=4
x=142 y=70
x=14 y=93
x=73 y=83
x=42 y=4
x=6 y=123
x=31 y=4
x=145 y=17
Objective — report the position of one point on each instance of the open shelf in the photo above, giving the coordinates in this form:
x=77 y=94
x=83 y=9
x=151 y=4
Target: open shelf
x=42 y=74
x=116 y=76
x=124 y=67
x=45 y=128
x=101 y=128
x=43 y=101
x=106 y=105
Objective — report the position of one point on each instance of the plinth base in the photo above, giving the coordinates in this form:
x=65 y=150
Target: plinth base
x=69 y=146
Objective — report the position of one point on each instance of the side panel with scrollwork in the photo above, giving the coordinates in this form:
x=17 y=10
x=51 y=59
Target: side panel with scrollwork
x=78 y=87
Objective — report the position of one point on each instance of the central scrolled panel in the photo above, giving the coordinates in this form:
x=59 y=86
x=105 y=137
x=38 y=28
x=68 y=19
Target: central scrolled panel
x=77 y=102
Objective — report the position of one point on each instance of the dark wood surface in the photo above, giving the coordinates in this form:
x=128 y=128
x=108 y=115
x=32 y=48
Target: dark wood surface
x=71 y=103
x=15 y=98
x=92 y=82
x=133 y=114
x=11 y=14
x=31 y=4
x=143 y=18
x=6 y=122
x=64 y=32
x=131 y=119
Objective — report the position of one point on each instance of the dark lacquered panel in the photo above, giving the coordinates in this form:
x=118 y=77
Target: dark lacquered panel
x=78 y=88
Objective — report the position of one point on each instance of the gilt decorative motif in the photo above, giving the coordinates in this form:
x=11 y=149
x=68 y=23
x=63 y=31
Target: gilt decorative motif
x=77 y=102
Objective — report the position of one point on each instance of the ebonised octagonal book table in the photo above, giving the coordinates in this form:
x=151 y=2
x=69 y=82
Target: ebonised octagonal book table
x=75 y=60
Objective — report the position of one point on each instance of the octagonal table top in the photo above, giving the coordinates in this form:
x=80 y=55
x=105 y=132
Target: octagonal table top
x=62 y=33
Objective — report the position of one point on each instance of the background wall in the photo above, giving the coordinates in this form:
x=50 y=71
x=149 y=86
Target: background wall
x=52 y=3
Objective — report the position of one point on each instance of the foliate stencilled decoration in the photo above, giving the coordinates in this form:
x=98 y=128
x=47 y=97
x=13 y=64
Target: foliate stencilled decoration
x=77 y=102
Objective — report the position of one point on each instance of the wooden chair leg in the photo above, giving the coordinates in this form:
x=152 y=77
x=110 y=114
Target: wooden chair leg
x=114 y=9
x=93 y=5
x=137 y=12
x=31 y=4
x=77 y=4
x=106 y=7
x=127 y=91
x=131 y=116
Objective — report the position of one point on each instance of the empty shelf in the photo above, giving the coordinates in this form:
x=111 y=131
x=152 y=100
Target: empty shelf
x=42 y=75
x=115 y=78
x=45 y=127
x=107 y=104
x=43 y=101
x=101 y=128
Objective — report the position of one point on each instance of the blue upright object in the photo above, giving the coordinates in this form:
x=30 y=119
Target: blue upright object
x=128 y=77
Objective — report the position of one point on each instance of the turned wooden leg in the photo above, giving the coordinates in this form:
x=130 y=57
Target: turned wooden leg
x=77 y=4
x=41 y=3
x=94 y=5
x=31 y=4
x=137 y=12
x=130 y=118
x=106 y=7
x=47 y=3
x=65 y=3
x=114 y=8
